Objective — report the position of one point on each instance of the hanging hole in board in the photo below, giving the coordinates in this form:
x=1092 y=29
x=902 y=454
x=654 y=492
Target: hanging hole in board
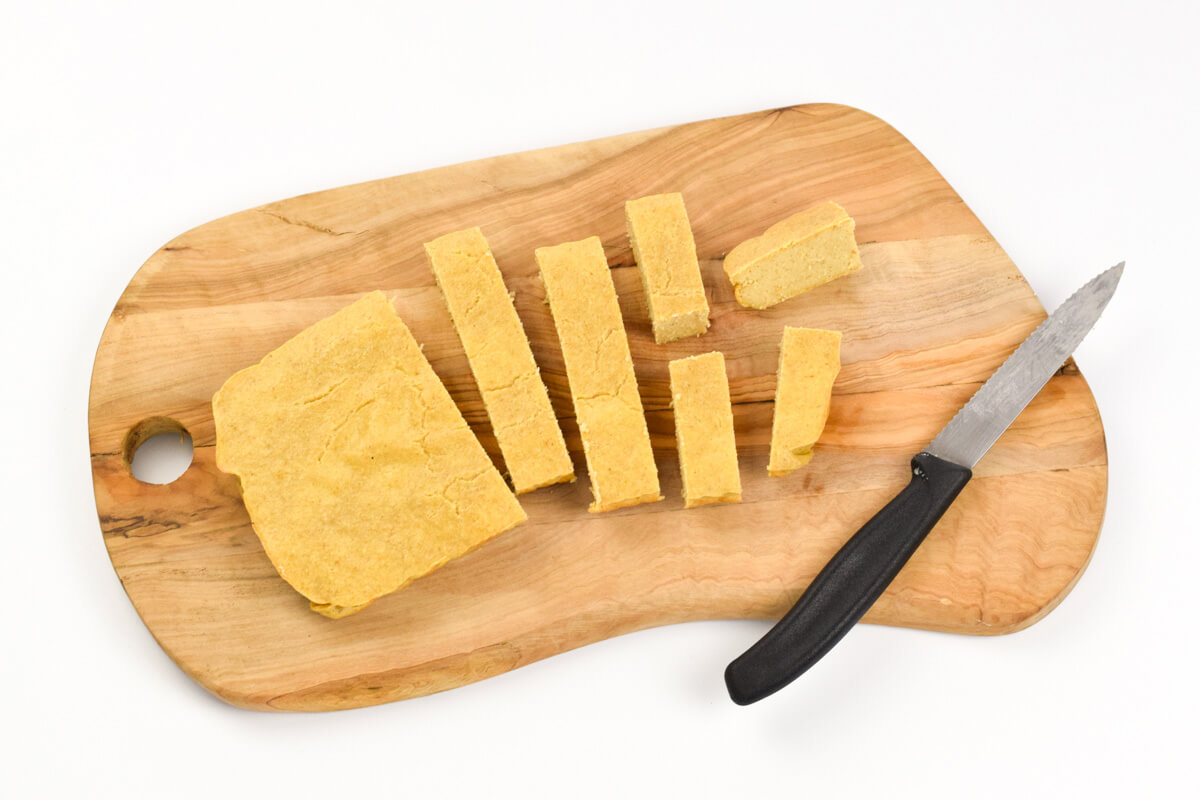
x=158 y=450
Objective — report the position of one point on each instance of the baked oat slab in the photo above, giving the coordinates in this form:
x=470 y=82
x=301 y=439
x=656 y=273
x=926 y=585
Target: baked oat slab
x=809 y=361
x=608 y=408
x=704 y=430
x=501 y=361
x=661 y=238
x=357 y=469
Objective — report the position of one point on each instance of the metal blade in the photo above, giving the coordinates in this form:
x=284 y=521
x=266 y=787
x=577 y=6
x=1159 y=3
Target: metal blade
x=978 y=424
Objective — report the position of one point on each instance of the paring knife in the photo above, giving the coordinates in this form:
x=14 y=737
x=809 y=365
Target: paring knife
x=855 y=578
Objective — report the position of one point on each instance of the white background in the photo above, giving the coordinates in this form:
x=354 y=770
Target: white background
x=1069 y=129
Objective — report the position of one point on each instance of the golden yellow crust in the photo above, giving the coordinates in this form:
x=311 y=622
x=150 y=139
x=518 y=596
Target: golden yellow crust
x=501 y=361
x=336 y=612
x=800 y=253
x=608 y=408
x=809 y=361
x=661 y=238
x=704 y=430
x=357 y=469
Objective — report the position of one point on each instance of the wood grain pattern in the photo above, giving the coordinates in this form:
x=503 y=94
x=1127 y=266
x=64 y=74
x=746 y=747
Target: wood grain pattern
x=936 y=309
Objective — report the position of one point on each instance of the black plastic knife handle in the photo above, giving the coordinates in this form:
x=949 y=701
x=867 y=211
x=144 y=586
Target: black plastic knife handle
x=849 y=584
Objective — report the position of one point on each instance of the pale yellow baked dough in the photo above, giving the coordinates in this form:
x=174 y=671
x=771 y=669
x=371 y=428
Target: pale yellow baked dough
x=800 y=253
x=661 y=238
x=704 y=430
x=608 y=408
x=508 y=378
x=357 y=469
x=809 y=361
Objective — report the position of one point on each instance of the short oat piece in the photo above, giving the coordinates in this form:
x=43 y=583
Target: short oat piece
x=661 y=238
x=795 y=255
x=809 y=361
x=704 y=430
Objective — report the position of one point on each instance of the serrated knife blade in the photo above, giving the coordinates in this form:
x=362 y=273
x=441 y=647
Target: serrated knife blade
x=978 y=424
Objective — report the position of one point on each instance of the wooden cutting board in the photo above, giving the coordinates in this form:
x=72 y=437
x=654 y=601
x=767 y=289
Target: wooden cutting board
x=937 y=308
